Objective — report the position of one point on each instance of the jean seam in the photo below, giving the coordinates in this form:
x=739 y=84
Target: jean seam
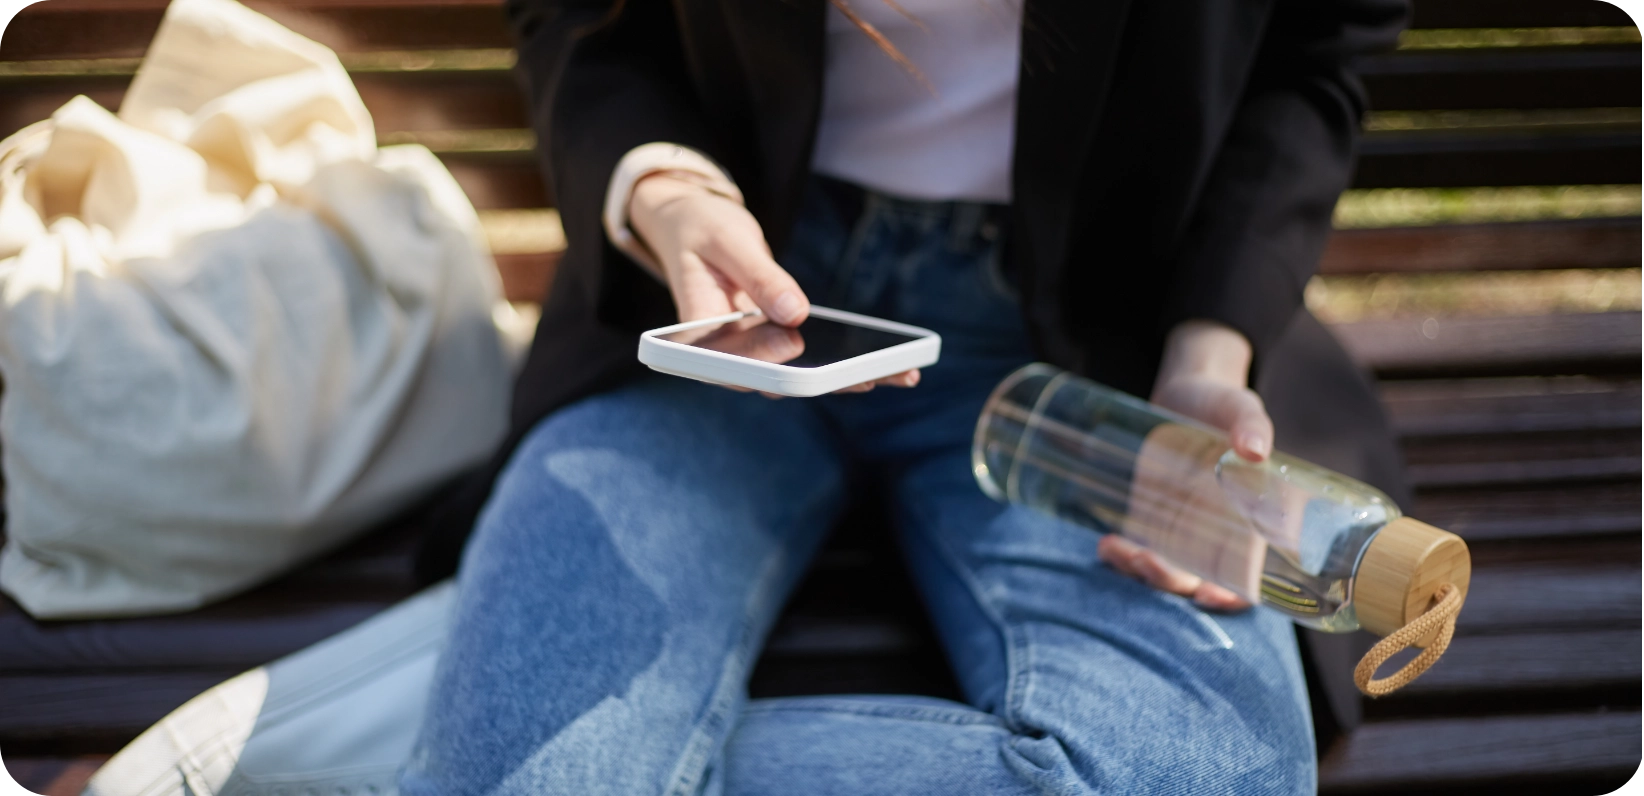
x=1017 y=654
x=714 y=727
x=709 y=734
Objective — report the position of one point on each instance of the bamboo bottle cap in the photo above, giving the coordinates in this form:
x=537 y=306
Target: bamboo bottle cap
x=1406 y=563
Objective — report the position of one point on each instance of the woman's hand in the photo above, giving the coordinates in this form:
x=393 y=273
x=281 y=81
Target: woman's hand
x=1203 y=376
x=715 y=261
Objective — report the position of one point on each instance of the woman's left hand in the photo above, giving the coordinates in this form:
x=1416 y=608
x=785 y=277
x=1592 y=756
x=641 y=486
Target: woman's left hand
x=1203 y=375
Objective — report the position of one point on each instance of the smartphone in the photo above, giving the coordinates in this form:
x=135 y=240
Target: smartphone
x=837 y=349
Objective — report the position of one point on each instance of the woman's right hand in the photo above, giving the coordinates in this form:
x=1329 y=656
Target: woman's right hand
x=715 y=261
x=713 y=253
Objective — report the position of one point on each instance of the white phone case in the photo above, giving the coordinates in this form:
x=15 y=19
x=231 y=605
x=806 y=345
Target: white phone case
x=691 y=362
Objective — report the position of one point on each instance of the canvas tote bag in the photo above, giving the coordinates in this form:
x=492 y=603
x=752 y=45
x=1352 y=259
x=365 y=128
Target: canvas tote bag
x=233 y=332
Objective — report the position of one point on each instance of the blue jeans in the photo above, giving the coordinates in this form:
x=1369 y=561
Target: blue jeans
x=641 y=543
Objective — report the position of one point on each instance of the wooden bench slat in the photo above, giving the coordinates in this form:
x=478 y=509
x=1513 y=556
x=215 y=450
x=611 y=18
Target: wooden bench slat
x=1503 y=599
x=480 y=100
x=1511 y=406
x=1554 y=455
x=1600 y=659
x=203 y=639
x=1598 y=77
x=72 y=29
x=1516 y=14
x=77 y=29
x=1437 y=755
x=806 y=636
x=1451 y=159
x=57 y=776
x=1578 y=243
x=1430 y=476
x=1605 y=342
x=1519 y=598
x=526 y=277
x=111 y=708
x=1536 y=512
x=496 y=186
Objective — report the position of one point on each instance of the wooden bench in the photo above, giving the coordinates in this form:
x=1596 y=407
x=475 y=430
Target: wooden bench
x=1521 y=431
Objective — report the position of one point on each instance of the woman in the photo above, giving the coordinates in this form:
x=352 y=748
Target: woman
x=1137 y=191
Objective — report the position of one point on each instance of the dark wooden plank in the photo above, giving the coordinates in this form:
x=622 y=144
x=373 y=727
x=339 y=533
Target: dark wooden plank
x=1600 y=659
x=22 y=105
x=292 y=612
x=1556 y=597
x=1525 y=458
x=99 y=29
x=1516 y=345
x=1541 y=754
x=499 y=184
x=105 y=28
x=1536 y=245
x=1511 y=406
x=42 y=707
x=803 y=636
x=212 y=638
x=1592 y=77
x=1516 y=14
x=477 y=100
x=1494 y=514
x=1451 y=158
x=55 y=776
x=1517 y=473
x=398 y=101
x=526 y=277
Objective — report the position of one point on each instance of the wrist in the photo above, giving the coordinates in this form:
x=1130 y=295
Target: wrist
x=657 y=159
x=654 y=191
x=1204 y=349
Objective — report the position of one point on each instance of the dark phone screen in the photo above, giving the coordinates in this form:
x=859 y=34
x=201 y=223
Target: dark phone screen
x=825 y=341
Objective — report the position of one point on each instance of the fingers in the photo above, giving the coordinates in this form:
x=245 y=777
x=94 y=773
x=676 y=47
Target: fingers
x=1250 y=429
x=742 y=256
x=697 y=292
x=1217 y=598
x=765 y=342
x=1144 y=565
x=1237 y=410
x=907 y=378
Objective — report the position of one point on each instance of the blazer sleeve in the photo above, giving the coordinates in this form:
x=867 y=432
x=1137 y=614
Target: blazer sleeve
x=602 y=77
x=1263 y=215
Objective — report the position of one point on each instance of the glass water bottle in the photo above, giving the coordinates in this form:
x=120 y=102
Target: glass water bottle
x=1328 y=551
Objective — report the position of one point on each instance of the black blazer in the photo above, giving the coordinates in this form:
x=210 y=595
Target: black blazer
x=1174 y=159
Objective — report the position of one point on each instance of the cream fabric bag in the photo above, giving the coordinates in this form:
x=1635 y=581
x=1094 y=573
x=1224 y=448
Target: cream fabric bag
x=232 y=331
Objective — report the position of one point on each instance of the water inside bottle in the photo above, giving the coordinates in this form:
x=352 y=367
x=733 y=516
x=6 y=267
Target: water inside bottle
x=1284 y=533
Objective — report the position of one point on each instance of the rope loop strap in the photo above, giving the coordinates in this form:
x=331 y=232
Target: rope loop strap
x=1441 y=617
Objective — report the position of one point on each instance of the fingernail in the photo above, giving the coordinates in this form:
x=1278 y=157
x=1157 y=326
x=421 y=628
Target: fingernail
x=913 y=378
x=1256 y=445
x=786 y=308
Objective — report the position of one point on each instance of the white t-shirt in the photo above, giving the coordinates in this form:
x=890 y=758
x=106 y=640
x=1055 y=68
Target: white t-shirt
x=883 y=129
